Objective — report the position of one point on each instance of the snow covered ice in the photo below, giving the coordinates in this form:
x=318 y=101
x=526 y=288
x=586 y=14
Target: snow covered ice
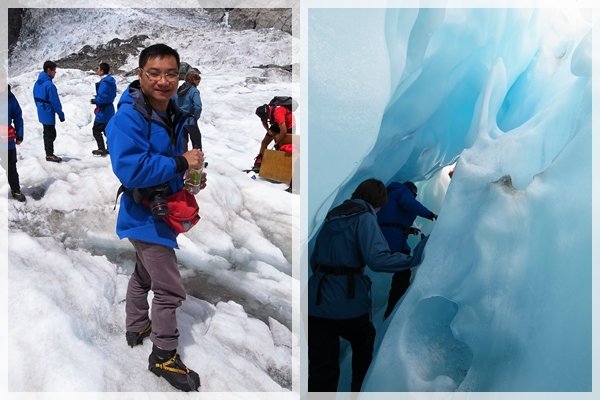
x=68 y=271
x=502 y=301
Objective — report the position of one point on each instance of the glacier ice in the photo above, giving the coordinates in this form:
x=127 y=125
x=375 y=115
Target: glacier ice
x=503 y=299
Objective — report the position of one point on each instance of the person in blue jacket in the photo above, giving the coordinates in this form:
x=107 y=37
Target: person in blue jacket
x=106 y=91
x=396 y=219
x=145 y=138
x=188 y=99
x=14 y=137
x=339 y=301
x=48 y=106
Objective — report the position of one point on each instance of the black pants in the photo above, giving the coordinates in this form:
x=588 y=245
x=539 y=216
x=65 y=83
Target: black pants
x=10 y=166
x=400 y=284
x=49 y=137
x=193 y=132
x=97 y=131
x=324 y=351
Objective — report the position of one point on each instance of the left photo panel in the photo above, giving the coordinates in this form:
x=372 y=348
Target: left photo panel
x=150 y=210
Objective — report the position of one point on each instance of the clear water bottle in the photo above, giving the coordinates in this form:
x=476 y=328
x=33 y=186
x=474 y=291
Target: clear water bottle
x=193 y=180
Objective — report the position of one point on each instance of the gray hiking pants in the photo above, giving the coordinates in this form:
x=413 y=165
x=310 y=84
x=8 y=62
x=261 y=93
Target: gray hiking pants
x=156 y=270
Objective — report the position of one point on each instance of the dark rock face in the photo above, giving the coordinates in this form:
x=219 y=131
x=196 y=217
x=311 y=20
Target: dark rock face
x=287 y=67
x=15 y=20
x=115 y=53
x=184 y=68
x=254 y=18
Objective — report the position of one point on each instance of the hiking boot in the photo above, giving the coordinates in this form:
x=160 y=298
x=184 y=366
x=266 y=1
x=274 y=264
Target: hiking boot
x=53 y=158
x=18 y=196
x=100 y=152
x=257 y=162
x=168 y=364
x=135 y=338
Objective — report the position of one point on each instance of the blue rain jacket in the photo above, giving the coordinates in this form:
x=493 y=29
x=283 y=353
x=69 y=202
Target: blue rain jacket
x=402 y=208
x=349 y=238
x=15 y=118
x=46 y=100
x=188 y=99
x=142 y=155
x=106 y=91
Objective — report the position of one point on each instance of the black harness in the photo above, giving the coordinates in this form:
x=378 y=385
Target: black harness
x=348 y=271
x=347 y=208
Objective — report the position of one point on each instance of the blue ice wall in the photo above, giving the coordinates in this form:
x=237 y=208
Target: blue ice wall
x=506 y=279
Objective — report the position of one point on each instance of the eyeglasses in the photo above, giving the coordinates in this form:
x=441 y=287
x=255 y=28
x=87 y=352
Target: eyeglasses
x=156 y=76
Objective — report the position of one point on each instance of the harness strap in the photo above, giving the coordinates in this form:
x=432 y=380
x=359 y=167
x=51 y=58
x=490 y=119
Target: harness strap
x=395 y=225
x=348 y=271
x=122 y=189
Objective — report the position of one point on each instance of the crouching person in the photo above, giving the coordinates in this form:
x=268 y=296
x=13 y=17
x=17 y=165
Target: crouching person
x=147 y=155
x=339 y=302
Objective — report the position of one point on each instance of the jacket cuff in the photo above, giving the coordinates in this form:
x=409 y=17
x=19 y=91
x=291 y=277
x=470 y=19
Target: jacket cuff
x=181 y=164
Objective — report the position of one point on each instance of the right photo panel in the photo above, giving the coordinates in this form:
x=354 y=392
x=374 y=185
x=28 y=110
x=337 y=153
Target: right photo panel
x=449 y=201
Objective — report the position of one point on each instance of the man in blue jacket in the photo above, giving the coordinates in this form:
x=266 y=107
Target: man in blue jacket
x=14 y=137
x=145 y=138
x=396 y=219
x=48 y=106
x=339 y=301
x=106 y=91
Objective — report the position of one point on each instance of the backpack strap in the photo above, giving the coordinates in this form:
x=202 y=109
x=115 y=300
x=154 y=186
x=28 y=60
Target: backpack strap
x=122 y=189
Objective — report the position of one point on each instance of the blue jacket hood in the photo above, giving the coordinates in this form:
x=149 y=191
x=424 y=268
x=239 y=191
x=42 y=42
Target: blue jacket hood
x=133 y=95
x=42 y=78
x=110 y=79
x=395 y=186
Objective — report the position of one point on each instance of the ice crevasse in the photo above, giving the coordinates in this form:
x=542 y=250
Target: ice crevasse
x=503 y=298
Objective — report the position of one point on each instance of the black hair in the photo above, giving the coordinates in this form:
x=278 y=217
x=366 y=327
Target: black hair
x=372 y=191
x=49 y=65
x=104 y=67
x=412 y=187
x=157 y=50
x=263 y=112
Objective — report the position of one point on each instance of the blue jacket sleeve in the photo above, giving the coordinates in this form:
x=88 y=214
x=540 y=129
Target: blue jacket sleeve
x=196 y=104
x=55 y=101
x=133 y=161
x=374 y=248
x=105 y=94
x=410 y=203
x=17 y=119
